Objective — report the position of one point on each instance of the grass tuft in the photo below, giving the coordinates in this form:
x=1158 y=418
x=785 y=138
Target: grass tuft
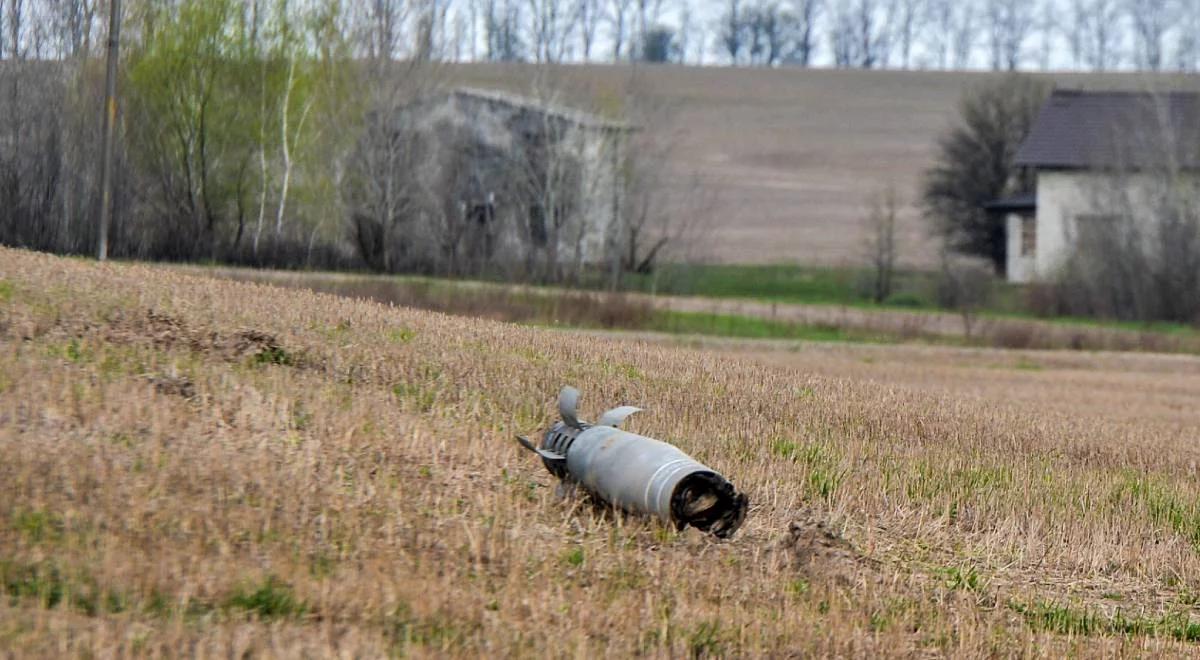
x=1065 y=620
x=270 y=599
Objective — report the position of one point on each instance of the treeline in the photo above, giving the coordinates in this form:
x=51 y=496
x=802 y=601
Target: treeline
x=262 y=133
x=1150 y=35
x=1098 y=35
x=234 y=131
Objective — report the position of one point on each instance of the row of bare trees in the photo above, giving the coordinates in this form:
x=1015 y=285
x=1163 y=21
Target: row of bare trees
x=1003 y=34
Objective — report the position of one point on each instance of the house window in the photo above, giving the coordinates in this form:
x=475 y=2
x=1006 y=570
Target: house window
x=1028 y=236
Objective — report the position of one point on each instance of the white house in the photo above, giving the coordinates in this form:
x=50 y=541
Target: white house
x=1095 y=154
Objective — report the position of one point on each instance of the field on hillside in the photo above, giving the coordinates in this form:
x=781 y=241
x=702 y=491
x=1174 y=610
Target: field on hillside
x=788 y=159
x=203 y=467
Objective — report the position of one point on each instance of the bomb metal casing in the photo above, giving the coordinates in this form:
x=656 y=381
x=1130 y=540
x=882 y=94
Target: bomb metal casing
x=636 y=473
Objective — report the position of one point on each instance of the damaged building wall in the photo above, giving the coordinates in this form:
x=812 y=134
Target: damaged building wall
x=494 y=182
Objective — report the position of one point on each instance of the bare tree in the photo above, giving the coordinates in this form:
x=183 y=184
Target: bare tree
x=1187 y=48
x=684 y=34
x=965 y=286
x=1047 y=28
x=552 y=23
x=665 y=210
x=15 y=16
x=875 y=20
x=383 y=27
x=1151 y=19
x=806 y=14
x=73 y=26
x=965 y=28
x=880 y=243
x=1095 y=33
x=472 y=29
x=383 y=190
x=618 y=22
x=590 y=14
x=733 y=31
x=841 y=38
x=862 y=33
x=769 y=31
x=941 y=21
x=292 y=121
x=1009 y=23
x=502 y=30
x=910 y=17
x=458 y=47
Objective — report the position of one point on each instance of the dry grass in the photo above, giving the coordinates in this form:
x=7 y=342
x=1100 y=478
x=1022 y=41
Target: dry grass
x=196 y=466
x=789 y=158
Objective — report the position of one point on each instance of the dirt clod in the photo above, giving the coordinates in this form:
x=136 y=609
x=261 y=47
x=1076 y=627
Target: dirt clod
x=819 y=551
x=173 y=385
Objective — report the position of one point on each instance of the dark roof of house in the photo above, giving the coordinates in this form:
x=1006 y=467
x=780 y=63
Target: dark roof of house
x=1023 y=202
x=1134 y=130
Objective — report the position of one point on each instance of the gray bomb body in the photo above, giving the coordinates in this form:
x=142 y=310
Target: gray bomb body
x=632 y=471
x=637 y=473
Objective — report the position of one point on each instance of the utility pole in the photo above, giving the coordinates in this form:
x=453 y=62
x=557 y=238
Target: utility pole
x=110 y=120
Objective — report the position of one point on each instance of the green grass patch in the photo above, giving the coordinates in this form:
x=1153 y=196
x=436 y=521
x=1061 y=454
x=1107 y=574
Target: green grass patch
x=732 y=325
x=274 y=355
x=773 y=282
x=706 y=640
x=964 y=578
x=438 y=631
x=1064 y=620
x=39 y=526
x=1164 y=504
x=6 y=291
x=812 y=285
x=401 y=335
x=269 y=599
x=51 y=586
x=574 y=557
x=821 y=460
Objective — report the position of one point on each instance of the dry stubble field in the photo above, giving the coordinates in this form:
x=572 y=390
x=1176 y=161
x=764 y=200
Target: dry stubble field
x=210 y=467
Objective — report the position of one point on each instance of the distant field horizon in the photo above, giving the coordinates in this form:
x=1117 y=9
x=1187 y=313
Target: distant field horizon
x=783 y=163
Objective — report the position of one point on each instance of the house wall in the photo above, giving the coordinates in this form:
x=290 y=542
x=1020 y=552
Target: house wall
x=1019 y=268
x=1064 y=196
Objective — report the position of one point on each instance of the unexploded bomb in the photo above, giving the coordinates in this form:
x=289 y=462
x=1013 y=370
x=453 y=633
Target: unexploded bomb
x=636 y=473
